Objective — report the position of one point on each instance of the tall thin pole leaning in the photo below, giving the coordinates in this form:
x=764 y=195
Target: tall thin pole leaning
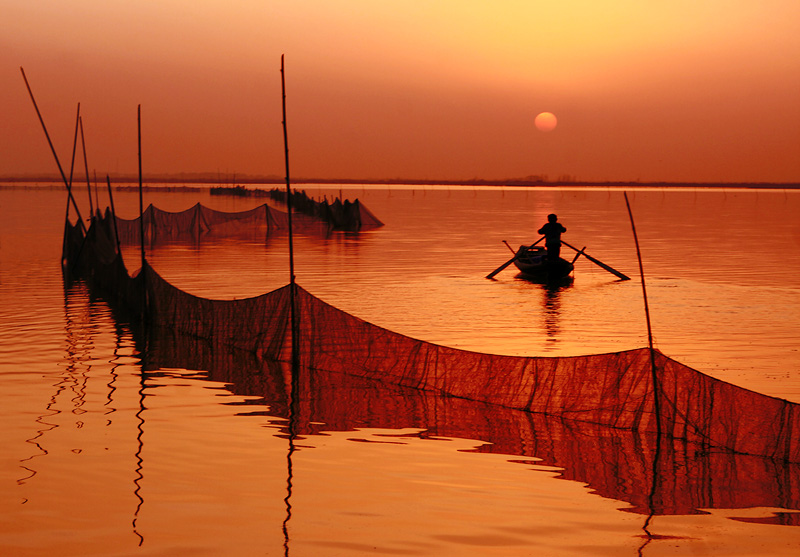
x=655 y=485
x=53 y=150
x=292 y=287
x=72 y=163
x=654 y=371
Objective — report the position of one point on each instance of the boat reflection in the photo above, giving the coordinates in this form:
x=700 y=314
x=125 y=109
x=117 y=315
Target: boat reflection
x=551 y=300
x=676 y=478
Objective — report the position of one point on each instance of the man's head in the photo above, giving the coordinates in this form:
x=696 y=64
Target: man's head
x=552 y=217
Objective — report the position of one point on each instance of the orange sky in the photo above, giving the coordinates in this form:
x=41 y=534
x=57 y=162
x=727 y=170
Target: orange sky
x=651 y=91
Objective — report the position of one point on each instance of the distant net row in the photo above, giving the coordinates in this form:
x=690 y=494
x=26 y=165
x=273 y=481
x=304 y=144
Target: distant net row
x=199 y=222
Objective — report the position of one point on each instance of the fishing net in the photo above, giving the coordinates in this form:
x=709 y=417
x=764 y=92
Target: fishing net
x=621 y=464
x=201 y=223
x=347 y=215
x=613 y=390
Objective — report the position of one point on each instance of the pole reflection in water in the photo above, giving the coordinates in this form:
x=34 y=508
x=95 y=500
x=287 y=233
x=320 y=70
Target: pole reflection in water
x=85 y=315
x=294 y=406
x=116 y=362
x=651 y=499
x=36 y=440
x=139 y=471
x=75 y=338
x=288 y=499
x=121 y=321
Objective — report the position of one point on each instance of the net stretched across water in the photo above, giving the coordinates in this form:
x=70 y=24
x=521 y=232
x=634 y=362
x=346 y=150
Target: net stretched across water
x=201 y=223
x=614 y=390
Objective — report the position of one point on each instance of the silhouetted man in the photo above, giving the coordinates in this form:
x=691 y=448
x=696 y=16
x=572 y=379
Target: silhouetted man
x=552 y=231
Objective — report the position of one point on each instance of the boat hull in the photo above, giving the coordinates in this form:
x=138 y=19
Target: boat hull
x=533 y=263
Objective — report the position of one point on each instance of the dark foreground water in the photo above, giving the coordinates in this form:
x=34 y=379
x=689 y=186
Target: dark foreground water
x=99 y=458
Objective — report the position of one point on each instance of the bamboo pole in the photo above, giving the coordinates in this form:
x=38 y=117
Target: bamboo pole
x=656 y=385
x=141 y=197
x=72 y=166
x=96 y=196
x=113 y=214
x=53 y=150
x=69 y=189
x=294 y=404
x=292 y=286
x=654 y=371
x=143 y=273
x=86 y=170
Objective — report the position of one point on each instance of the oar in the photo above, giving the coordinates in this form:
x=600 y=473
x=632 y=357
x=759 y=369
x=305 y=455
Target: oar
x=510 y=261
x=577 y=255
x=596 y=262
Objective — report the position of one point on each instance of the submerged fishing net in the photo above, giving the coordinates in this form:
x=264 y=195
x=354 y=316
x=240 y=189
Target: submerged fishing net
x=613 y=390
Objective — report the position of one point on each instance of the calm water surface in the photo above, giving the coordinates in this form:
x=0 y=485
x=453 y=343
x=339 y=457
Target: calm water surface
x=100 y=458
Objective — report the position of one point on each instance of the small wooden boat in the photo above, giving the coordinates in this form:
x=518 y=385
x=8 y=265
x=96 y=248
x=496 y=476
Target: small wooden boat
x=533 y=264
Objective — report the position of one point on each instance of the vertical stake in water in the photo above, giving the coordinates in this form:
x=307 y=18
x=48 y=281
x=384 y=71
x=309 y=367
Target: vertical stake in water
x=656 y=387
x=96 y=194
x=86 y=169
x=141 y=197
x=656 y=403
x=141 y=211
x=295 y=379
x=113 y=213
x=292 y=288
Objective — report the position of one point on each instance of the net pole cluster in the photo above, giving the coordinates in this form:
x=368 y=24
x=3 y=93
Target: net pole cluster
x=67 y=183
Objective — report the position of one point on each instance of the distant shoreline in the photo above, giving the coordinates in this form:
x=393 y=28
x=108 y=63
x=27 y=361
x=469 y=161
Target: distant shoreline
x=185 y=180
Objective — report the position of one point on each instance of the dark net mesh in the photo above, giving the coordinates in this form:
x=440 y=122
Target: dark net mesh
x=610 y=390
x=616 y=463
x=199 y=223
x=614 y=390
x=341 y=215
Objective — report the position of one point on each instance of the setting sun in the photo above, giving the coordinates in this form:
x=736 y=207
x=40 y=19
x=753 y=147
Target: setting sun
x=546 y=122
x=417 y=91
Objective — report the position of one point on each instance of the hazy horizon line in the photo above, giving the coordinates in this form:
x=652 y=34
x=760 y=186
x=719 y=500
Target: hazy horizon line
x=232 y=179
